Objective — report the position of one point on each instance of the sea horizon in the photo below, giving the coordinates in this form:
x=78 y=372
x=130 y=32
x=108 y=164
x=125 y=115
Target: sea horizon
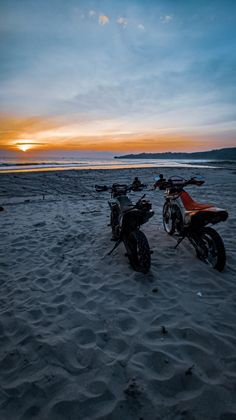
x=49 y=164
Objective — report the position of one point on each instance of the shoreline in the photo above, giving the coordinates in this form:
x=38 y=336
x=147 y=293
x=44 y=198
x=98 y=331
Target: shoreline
x=107 y=167
x=162 y=163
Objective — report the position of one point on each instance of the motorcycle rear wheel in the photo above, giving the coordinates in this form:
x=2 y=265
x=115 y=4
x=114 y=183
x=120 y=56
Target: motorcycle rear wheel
x=138 y=251
x=210 y=248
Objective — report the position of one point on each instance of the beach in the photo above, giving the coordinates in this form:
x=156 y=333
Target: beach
x=84 y=336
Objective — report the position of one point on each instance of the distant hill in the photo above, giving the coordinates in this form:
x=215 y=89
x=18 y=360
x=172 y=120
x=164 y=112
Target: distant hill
x=218 y=154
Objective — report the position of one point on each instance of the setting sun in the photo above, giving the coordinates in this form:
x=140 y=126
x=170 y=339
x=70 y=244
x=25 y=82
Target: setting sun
x=24 y=147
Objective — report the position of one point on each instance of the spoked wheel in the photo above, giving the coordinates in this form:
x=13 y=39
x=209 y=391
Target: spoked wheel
x=138 y=251
x=168 y=221
x=210 y=248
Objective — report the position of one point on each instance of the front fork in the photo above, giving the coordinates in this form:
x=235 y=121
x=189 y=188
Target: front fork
x=177 y=221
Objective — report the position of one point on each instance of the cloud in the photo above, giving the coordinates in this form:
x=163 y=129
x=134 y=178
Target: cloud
x=21 y=130
x=166 y=19
x=141 y=27
x=103 y=20
x=25 y=143
x=122 y=21
x=92 y=13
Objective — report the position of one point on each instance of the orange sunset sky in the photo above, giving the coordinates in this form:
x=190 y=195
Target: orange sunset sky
x=37 y=134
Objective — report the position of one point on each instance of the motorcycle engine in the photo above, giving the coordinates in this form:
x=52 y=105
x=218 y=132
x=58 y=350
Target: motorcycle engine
x=144 y=205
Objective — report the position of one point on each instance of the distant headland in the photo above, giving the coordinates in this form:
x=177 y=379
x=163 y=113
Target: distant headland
x=217 y=154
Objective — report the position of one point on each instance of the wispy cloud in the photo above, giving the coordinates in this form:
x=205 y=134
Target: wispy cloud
x=92 y=13
x=122 y=21
x=24 y=143
x=103 y=20
x=166 y=19
x=141 y=27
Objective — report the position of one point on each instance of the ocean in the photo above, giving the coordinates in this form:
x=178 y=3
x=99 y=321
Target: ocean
x=37 y=165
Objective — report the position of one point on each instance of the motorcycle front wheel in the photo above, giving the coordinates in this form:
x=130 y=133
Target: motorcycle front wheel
x=168 y=221
x=210 y=248
x=114 y=224
x=138 y=251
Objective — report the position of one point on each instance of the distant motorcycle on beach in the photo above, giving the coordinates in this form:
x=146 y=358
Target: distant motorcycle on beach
x=186 y=218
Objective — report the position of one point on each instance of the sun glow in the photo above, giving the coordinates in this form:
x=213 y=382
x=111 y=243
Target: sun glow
x=24 y=147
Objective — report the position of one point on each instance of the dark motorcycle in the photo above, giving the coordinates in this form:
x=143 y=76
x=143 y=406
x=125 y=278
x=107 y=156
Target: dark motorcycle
x=133 y=187
x=138 y=187
x=125 y=221
x=186 y=218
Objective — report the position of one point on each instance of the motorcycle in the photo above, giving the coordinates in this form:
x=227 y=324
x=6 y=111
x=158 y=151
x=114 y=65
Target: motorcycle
x=138 y=187
x=125 y=221
x=133 y=187
x=186 y=218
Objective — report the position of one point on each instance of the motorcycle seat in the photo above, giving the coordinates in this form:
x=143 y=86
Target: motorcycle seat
x=190 y=204
x=210 y=215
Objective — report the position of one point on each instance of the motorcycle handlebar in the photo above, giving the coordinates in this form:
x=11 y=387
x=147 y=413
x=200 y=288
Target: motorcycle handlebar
x=177 y=182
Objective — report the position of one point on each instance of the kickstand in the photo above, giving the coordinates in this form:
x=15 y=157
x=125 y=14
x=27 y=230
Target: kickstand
x=115 y=246
x=179 y=241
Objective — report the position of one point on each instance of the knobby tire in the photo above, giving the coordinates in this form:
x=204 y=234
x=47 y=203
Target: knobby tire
x=208 y=237
x=168 y=221
x=138 y=251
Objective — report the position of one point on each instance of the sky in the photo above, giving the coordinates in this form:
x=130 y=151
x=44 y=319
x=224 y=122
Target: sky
x=115 y=76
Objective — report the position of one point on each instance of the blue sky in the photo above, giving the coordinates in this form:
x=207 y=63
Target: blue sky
x=119 y=70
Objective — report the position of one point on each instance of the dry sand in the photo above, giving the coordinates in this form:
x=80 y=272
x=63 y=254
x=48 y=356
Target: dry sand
x=83 y=336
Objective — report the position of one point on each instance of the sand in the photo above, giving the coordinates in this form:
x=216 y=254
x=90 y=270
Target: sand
x=83 y=336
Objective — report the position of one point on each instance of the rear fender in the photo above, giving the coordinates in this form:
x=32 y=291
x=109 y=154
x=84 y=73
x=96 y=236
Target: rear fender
x=132 y=219
x=213 y=215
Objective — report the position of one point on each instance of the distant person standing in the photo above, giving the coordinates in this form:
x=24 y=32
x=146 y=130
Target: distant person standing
x=159 y=181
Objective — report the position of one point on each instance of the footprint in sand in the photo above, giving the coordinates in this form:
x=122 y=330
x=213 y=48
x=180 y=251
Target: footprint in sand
x=43 y=283
x=85 y=337
x=35 y=314
x=128 y=325
x=97 y=387
x=59 y=298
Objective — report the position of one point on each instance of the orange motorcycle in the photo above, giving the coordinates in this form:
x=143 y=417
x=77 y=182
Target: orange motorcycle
x=186 y=218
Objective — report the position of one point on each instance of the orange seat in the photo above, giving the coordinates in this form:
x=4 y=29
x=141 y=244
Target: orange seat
x=190 y=204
